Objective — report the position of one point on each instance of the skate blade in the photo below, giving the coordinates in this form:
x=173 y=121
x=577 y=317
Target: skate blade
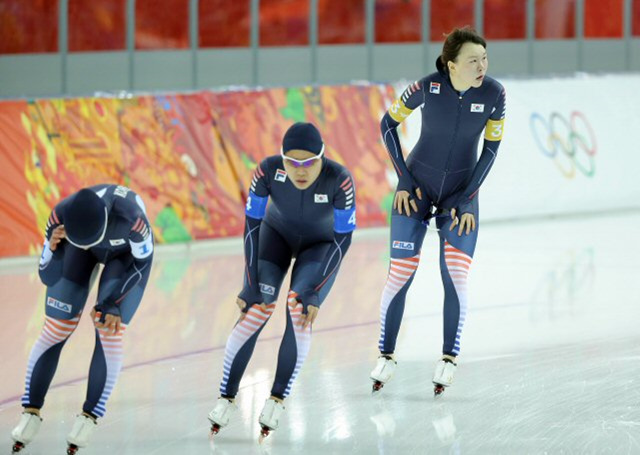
x=438 y=390
x=72 y=449
x=264 y=434
x=376 y=387
x=17 y=447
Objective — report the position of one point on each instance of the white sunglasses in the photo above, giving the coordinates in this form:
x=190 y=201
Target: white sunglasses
x=302 y=163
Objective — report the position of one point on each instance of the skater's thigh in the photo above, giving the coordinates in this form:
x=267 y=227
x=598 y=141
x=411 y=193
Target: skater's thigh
x=66 y=298
x=307 y=270
x=463 y=242
x=273 y=262
x=270 y=277
x=117 y=269
x=273 y=247
x=407 y=235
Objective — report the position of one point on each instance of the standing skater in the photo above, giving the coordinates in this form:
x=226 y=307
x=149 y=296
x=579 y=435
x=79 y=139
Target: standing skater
x=440 y=179
x=103 y=224
x=311 y=218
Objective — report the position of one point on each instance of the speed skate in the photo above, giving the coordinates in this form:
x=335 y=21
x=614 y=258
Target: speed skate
x=443 y=375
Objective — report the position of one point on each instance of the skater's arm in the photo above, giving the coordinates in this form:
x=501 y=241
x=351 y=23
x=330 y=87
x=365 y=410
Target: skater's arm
x=492 y=138
x=410 y=99
x=254 y=213
x=51 y=259
x=141 y=244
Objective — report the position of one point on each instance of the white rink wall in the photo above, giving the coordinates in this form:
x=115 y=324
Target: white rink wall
x=571 y=145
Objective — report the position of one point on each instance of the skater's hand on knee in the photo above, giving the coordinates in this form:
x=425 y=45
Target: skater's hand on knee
x=467 y=223
x=312 y=313
x=112 y=323
x=403 y=200
x=57 y=236
x=242 y=305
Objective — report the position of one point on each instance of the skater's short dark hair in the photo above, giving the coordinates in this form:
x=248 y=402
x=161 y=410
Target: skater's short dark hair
x=455 y=40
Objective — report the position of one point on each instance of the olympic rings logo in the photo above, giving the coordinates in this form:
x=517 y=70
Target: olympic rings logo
x=571 y=144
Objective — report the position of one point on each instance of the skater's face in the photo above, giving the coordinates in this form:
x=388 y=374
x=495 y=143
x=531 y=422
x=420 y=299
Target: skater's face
x=303 y=167
x=469 y=67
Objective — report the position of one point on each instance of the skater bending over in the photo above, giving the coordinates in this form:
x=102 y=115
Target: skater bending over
x=103 y=224
x=440 y=179
x=310 y=217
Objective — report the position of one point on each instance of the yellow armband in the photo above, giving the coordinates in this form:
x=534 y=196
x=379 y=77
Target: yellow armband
x=398 y=111
x=494 y=130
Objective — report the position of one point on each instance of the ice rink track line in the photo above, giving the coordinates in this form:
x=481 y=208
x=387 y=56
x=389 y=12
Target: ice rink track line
x=183 y=355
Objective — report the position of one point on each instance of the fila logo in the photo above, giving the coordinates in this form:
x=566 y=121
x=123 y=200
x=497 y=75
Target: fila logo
x=398 y=245
x=320 y=198
x=116 y=242
x=281 y=175
x=267 y=289
x=434 y=88
x=477 y=108
x=58 y=305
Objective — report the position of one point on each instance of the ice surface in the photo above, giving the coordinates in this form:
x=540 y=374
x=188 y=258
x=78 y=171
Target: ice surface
x=550 y=356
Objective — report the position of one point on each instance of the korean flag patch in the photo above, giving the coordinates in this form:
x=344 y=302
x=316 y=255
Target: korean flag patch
x=434 y=87
x=281 y=175
x=477 y=108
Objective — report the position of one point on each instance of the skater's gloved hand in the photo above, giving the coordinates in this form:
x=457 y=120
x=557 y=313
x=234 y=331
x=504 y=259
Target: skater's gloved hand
x=57 y=236
x=244 y=308
x=467 y=222
x=310 y=306
x=404 y=200
x=250 y=297
x=106 y=316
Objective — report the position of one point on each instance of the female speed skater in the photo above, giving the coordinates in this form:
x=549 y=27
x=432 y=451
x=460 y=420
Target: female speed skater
x=440 y=179
x=103 y=224
x=310 y=217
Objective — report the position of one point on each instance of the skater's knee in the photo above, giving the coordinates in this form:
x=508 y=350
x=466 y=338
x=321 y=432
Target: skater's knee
x=58 y=330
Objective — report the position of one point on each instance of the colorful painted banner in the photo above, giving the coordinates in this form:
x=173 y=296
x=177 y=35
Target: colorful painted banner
x=190 y=157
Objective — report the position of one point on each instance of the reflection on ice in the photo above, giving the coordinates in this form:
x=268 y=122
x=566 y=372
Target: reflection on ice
x=548 y=363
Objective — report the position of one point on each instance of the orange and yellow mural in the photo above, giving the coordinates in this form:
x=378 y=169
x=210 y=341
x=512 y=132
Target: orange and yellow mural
x=190 y=156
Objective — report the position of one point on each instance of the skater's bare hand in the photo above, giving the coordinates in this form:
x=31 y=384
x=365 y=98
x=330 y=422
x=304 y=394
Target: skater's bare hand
x=241 y=305
x=312 y=313
x=57 y=236
x=467 y=222
x=112 y=322
x=404 y=200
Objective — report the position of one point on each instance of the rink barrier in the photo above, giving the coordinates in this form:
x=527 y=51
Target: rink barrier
x=568 y=148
